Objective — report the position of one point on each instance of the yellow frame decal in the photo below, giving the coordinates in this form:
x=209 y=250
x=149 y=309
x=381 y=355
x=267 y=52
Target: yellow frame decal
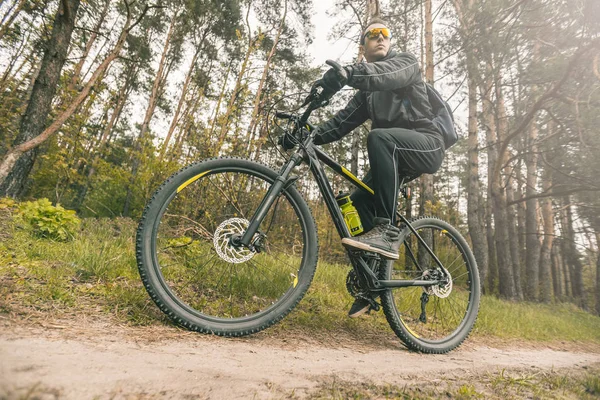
x=184 y=184
x=355 y=179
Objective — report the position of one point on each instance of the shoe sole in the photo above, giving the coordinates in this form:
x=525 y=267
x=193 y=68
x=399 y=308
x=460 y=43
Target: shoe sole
x=363 y=246
x=360 y=312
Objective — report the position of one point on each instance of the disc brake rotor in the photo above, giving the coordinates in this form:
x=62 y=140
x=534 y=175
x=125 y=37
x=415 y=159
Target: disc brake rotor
x=441 y=291
x=222 y=241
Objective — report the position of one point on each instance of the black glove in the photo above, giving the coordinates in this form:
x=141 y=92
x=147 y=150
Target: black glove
x=333 y=82
x=316 y=136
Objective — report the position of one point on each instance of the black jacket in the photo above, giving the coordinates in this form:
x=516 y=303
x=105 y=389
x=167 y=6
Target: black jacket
x=391 y=94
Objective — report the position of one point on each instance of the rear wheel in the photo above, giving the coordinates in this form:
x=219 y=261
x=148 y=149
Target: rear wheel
x=188 y=258
x=438 y=318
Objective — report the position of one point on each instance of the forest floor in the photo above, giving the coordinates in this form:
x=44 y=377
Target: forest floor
x=76 y=323
x=83 y=357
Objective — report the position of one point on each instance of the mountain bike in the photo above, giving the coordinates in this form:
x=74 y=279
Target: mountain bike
x=228 y=246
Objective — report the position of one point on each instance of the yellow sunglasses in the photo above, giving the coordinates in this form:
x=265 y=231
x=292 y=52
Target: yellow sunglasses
x=373 y=33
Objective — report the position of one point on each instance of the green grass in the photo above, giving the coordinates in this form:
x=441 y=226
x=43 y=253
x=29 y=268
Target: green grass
x=496 y=385
x=538 y=322
x=97 y=270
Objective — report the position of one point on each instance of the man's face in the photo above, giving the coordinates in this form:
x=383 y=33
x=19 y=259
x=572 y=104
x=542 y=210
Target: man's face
x=376 y=47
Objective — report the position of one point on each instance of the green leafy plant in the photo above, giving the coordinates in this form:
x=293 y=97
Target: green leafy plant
x=6 y=203
x=48 y=221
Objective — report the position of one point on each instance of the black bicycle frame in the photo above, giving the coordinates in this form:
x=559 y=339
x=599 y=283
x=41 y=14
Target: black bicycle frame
x=315 y=157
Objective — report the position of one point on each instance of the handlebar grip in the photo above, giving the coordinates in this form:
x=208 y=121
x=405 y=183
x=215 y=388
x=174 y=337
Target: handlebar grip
x=282 y=115
x=338 y=68
x=334 y=64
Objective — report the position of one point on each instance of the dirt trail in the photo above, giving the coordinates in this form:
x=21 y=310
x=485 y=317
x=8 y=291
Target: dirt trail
x=105 y=361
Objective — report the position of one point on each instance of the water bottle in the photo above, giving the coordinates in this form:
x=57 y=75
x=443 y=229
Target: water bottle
x=350 y=213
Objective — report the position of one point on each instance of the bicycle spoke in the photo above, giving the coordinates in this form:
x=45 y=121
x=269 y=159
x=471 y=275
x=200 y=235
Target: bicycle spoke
x=454 y=278
x=445 y=315
x=453 y=262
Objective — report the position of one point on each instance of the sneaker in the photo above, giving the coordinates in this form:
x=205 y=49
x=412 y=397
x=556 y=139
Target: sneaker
x=383 y=239
x=359 y=307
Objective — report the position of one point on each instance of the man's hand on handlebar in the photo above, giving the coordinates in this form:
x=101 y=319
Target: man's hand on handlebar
x=335 y=78
x=333 y=81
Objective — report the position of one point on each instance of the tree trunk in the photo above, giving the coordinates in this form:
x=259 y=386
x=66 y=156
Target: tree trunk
x=427 y=196
x=119 y=103
x=16 y=166
x=88 y=47
x=10 y=75
x=573 y=256
x=263 y=79
x=182 y=100
x=597 y=229
x=563 y=261
x=155 y=94
x=531 y=217
x=215 y=118
x=520 y=206
x=159 y=79
x=188 y=118
x=506 y=265
x=506 y=282
x=491 y=143
x=252 y=43
x=474 y=201
x=5 y=25
x=478 y=211
x=556 y=271
x=12 y=156
x=546 y=275
x=492 y=155
x=514 y=240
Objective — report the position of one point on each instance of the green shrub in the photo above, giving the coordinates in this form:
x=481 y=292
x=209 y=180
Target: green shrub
x=52 y=222
x=6 y=203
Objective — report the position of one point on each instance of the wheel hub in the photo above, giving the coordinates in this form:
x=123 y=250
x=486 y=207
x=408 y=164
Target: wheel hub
x=226 y=241
x=441 y=290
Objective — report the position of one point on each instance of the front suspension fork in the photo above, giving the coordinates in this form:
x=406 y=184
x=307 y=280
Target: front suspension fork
x=273 y=193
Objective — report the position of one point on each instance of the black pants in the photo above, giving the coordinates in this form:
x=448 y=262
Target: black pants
x=395 y=155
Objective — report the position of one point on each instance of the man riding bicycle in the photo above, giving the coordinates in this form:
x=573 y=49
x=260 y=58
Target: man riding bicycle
x=403 y=142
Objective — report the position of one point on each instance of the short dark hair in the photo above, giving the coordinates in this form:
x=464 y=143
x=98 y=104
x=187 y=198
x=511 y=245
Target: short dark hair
x=374 y=20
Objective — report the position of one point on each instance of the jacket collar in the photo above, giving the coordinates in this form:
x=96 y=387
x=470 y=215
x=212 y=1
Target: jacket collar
x=391 y=54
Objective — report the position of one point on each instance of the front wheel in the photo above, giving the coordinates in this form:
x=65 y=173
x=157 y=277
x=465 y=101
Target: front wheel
x=434 y=319
x=189 y=261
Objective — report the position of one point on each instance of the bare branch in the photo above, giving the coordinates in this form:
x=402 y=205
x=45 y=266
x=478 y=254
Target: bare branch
x=552 y=194
x=540 y=102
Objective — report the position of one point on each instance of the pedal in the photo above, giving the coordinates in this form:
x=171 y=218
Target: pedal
x=364 y=254
x=374 y=304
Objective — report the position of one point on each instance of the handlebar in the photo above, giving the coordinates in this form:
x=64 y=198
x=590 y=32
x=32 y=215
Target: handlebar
x=316 y=99
x=283 y=115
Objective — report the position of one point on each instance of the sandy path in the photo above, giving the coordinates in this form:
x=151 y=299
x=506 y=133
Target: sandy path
x=115 y=363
